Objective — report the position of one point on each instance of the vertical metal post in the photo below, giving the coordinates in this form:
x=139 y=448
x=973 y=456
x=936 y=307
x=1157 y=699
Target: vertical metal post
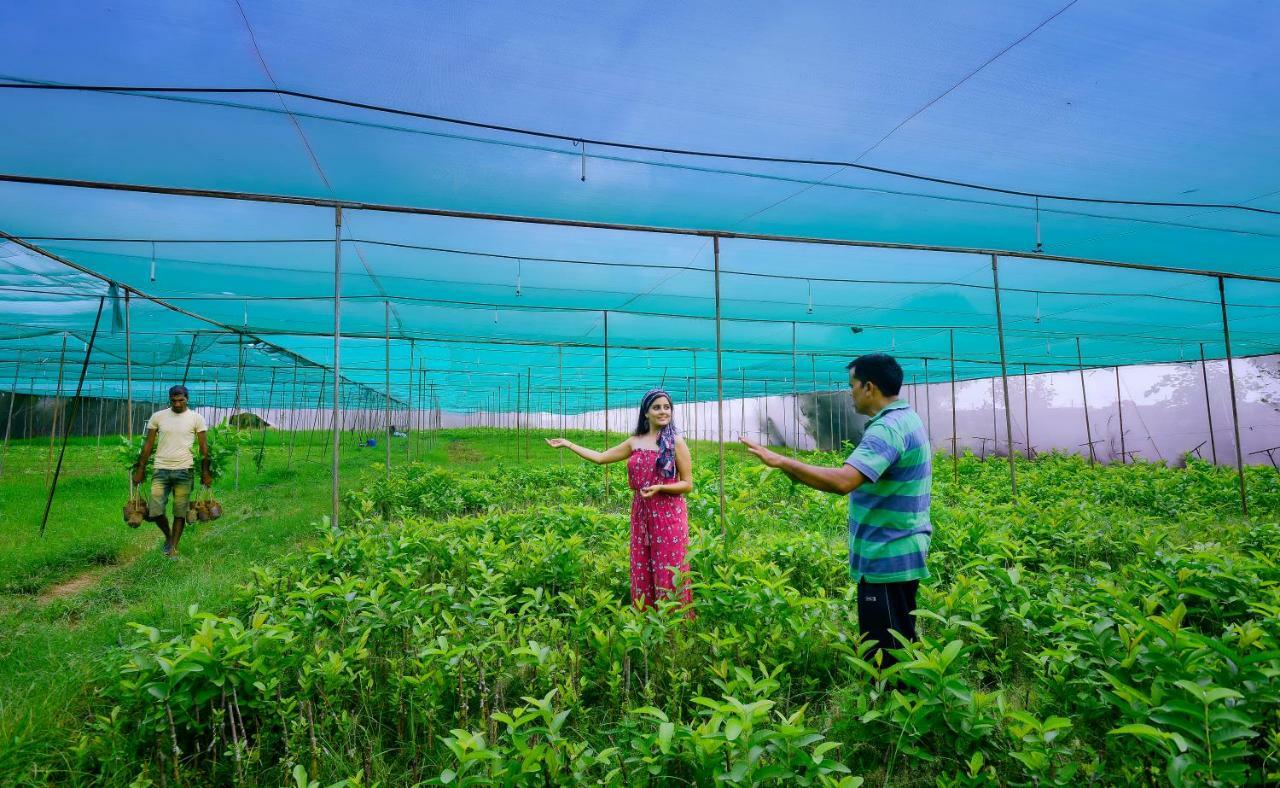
x=955 y=437
x=606 y=399
x=386 y=365
x=560 y=366
x=102 y=399
x=411 y=416
x=334 y=479
x=1231 y=379
x=928 y=405
x=831 y=413
x=293 y=413
x=528 y=409
x=128 y=365
x=693 y=379
x=1026 y=408
x=1208 y=409
x=236 y=407
x=1084 y=393
x=724 y=529
x=1124 y=457
x=762 y=433
x=995 y=416
x=743 y=432
x=1004 y=379
x=315 y=421
x=8 y=422
x=795 y=394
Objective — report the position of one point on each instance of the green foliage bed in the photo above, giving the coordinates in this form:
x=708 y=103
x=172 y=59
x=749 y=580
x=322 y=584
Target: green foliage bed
x=1119 y=626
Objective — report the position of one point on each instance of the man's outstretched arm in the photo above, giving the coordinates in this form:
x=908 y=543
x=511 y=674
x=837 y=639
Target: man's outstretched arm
x=842 y=480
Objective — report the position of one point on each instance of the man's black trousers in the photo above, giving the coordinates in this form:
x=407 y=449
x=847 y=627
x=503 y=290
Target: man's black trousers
x=886 y=606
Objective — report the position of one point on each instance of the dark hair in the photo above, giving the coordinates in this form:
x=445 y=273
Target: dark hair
x=878 y=368
x=642 y=423
x=179 y=390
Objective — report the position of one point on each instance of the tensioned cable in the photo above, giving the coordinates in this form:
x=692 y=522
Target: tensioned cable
x=130 y=89
x=599 y=263
x=486 y=306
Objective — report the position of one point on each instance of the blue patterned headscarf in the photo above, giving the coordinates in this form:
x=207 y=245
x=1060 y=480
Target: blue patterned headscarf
x=666 y=464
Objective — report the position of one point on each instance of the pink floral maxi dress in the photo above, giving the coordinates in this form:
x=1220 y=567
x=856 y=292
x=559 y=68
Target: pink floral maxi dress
x=659 y=533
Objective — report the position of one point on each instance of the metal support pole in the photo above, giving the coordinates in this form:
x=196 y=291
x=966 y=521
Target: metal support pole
x=1026 y=409
x=235 y=408
x=1208 y=409
x=386 y=366
x=928 y=406
x=606 y=400
x=528 y=408
x=1124 y=458
x=1231 y=379
x=694 y=402
x=743 y=432
x=8 y=422
x=724 y=529
x=411 y=417
x=955 y=437
x=102 y=400
x=1004 y=379
x=337 y=364
x=293 y=413
x=128 y=365
x=795 y=394
x=1084 y=393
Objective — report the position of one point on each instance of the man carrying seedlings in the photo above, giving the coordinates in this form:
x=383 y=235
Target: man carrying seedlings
x=171 y=432
x=888 y=479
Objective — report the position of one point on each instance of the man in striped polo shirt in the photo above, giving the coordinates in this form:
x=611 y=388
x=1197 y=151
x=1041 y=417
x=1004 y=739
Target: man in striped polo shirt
x=888 y=478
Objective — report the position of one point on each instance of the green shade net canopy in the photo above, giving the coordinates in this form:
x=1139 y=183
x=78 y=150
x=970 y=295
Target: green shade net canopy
x=514 y=180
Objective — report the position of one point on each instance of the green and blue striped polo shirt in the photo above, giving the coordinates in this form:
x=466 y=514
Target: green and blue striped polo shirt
x=889 y=525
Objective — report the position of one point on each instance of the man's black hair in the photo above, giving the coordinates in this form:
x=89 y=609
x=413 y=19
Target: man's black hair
x=179 y=390
x=881 y=369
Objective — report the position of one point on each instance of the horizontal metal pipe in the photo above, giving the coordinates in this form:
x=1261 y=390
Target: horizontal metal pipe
x=353 y=205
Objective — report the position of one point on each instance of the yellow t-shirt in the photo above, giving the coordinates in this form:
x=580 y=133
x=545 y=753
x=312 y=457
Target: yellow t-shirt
x=177 y=431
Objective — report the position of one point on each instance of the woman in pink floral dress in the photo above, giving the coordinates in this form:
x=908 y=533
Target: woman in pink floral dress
x=660 y=472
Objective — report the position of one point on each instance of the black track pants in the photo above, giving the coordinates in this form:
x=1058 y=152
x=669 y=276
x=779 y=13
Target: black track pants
x=886 y=606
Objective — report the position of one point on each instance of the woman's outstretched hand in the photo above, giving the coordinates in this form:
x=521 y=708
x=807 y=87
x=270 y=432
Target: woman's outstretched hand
x=557 y=443
x=650 y=491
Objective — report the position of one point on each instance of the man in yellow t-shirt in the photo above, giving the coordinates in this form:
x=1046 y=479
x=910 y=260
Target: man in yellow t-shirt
x=171 y=432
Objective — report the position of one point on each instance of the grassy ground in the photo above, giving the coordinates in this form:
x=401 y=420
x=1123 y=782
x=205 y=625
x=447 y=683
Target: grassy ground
x=65 y=599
